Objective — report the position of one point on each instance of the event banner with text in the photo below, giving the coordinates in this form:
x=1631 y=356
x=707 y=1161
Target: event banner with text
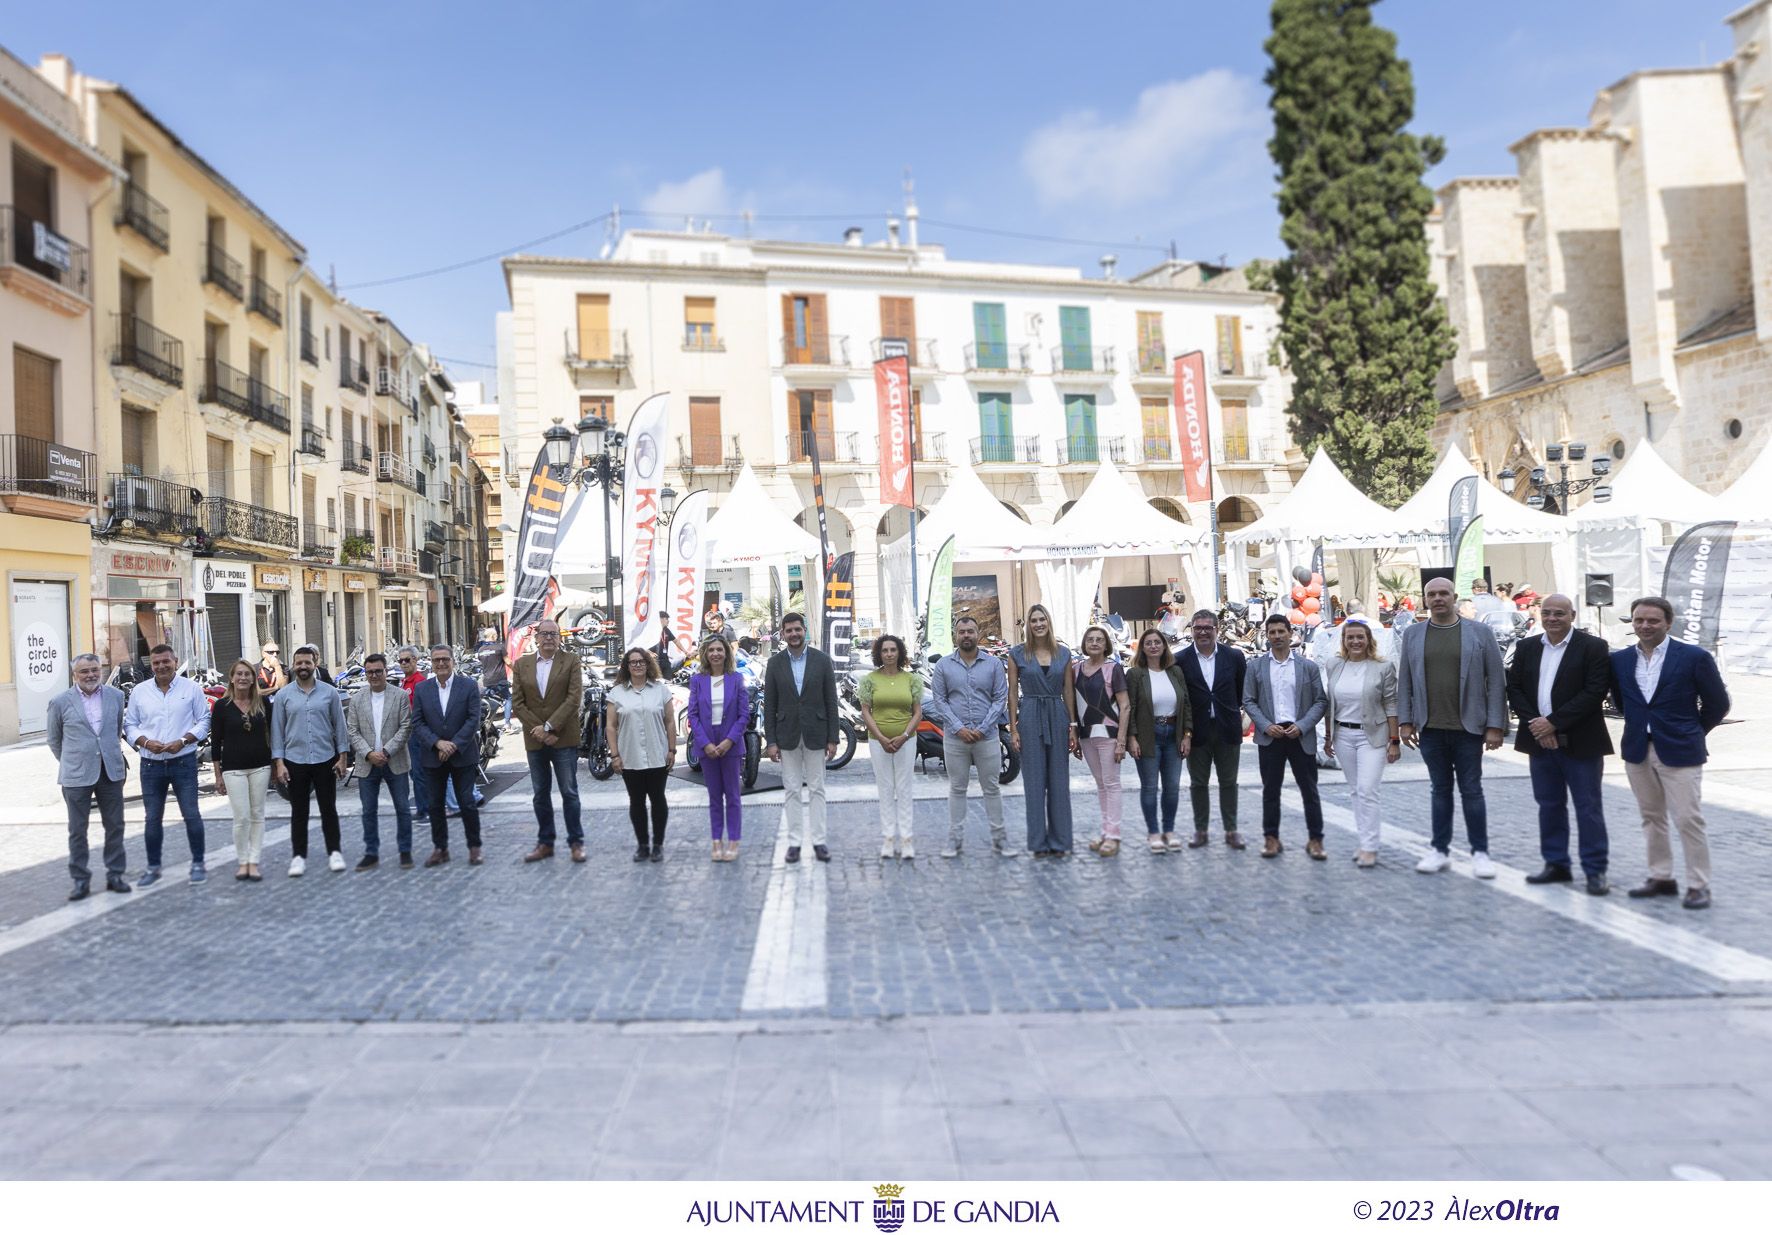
x=642 y=563
x=1193 y=428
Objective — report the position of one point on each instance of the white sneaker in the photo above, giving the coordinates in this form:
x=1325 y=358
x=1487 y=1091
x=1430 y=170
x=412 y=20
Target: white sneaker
x=952 y=851
x=907 y=851
x=335 y=861
x=1481 y=866
x=297 y=867
x=1434 y=863
x=886 y=850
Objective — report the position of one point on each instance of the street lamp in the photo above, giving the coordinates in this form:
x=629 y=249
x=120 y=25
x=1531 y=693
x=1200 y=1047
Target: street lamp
x=1563 y=488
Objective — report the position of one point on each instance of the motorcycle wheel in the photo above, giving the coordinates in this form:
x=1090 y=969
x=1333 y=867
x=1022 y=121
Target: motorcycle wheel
x=845 y=747
x=602 y=761
x=1011 y=759
x=753 y=758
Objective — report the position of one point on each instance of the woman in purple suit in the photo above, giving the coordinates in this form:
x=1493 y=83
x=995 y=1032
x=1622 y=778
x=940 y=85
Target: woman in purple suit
x=719 y=714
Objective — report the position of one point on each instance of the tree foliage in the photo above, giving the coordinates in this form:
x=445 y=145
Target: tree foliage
x=1360 y=325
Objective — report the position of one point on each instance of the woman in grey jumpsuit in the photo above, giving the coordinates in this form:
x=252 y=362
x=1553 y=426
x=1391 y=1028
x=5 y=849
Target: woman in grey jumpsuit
x=1043 y=729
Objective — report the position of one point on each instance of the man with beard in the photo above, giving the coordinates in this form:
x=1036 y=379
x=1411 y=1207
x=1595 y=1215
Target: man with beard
x=165 y=721
x=310 y=744
x=968 y=697
x=800 y=723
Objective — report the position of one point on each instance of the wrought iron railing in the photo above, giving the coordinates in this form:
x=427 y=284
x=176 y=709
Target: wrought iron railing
x=355 y=458
x=266 y=301
x=1152 y=449
x=815 y=349
x=930 y=448
x=35 y=246
x=597 y=349
x=923 y=353
x=313 y=442
x=997 y=358
x=353 y=376
x=1229 y=364
x=1089 y=449
x=145 y=216
x=223 y=271
x=226 y=519
x=435 y=533
x=318 y=541
x=1068 y=358
x=154 y=505
x=1005 y=448
x=1153 y=361
x=833 y=447
x=225 y=386
x=266 y=404
x=47 y=469
x=142 y=345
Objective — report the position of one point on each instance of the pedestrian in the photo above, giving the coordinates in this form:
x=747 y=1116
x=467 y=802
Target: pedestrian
x=800 y=725
x=84 y=727
x=892 y=708
x=1452 y=704
x=719 y=717
x=1283 y=694
x=1042 y=726
x=165 y=720
x=378 y=722
x=643 y=730
x=495 y=674
x=1102 y=709
x=412 y=676
x=1360 y=725
x=547 y=697
x=1673 y=696
x=311 y=748
x=240 y=754
x=272 y=677
x=1159 y=729
x=446 y=717
x=968 y=697
x=1214 y=675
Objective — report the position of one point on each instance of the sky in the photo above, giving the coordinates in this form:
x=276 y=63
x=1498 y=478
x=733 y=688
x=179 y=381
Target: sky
x=395 y=138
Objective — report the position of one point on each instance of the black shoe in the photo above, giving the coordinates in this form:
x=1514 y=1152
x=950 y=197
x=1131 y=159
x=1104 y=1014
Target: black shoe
x=821 y=853
x=643 y=853
x=1552 y=873
x=1655 y=887
x=793 y=854
x=116 y=883
x=658 y=853
x=1697 y=898
x=1597 y=885
x=82 y=890
x=368 y=862
x=406 y=861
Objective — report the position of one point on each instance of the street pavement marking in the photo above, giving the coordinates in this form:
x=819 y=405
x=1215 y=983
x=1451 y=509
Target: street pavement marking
x=788 y=960
x=1720 y=960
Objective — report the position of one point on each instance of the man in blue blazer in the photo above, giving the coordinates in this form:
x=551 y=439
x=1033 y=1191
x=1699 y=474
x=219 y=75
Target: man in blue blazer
x=1672 y=696
x=446 y=720
x=1214 y=676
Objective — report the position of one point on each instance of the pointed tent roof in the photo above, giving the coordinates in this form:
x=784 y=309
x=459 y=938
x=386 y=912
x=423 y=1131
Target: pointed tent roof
x=1505 y=521
x=1110 y=519
x=1646 y=488
x=1749 y=499
x=1323 y=505
x=984 y=530
x=749 y=528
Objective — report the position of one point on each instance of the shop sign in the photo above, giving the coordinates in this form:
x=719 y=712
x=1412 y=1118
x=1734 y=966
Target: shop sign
x=431 y=595
x=136 y=562
x=313 y=580
x=271 y=576
x=356 y=583
x=213 y=576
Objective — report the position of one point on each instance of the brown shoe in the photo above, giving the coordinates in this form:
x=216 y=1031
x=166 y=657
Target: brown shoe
x=438 y=857
x=1234 y=841
x=474 y=858
x=1271 y=847
x=540 y=853
x=1314 y=848
x=578 y=853
x=1200 y=841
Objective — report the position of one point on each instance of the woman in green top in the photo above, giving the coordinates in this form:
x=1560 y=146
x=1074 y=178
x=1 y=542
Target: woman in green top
x=892 y=707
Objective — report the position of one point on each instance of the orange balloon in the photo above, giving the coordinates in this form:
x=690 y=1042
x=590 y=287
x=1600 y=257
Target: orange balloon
x=1315 y=589
x=1297 y=592
x=1297 y=616
x=1310 y=604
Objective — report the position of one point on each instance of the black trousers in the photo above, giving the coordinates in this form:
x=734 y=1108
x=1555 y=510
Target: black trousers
x=648 y=784
x=1275 y=757
x=463 y=779
x=323 y=780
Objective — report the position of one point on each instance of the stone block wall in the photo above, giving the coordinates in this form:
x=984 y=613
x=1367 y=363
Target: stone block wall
x=1569 y=223
x=1486 y=283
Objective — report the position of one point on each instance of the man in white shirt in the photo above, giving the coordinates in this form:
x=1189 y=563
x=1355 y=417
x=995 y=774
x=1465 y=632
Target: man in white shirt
x=1284 y=697
x=165 y=721
x=1215 y=675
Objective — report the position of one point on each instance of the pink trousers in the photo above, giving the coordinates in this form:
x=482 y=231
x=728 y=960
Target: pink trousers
x=1098 y=753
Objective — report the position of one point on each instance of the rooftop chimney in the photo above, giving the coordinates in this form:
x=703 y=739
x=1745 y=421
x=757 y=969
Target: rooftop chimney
x=892 y=233
x=852 y=237
x=1108 y=262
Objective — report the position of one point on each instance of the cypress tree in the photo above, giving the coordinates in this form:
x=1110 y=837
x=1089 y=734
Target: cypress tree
x=1360 y=325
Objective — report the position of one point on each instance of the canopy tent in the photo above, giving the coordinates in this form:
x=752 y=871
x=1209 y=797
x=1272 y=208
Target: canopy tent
x=1647 y=490
x=1749 y=499
x=1505 y=521
x=1323 y=506
x=749 y=529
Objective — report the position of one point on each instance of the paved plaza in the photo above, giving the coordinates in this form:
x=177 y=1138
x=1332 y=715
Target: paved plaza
x=1199 y=1015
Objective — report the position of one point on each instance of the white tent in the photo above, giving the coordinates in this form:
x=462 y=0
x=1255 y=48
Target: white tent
x=1647 y=490
x=1505 y=521
x=749 y=529
x=1749 y=499
x=1323 y=506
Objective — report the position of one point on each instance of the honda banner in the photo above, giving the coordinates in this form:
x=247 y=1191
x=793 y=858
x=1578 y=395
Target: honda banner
x=892 y=388
x=688 y=571
x=839 y=608
x=642 y=562
x=1193 y=430
x=1461 y=508
x=533 y=590
x=1697 y=572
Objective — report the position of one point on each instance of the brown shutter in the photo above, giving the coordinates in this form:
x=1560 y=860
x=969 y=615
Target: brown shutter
x=33 y=395
x=789 y=353
x=1234 y=415
x=1230 y=345
x=822 y=424
x=218 y=467
x=135 y=441
x=818 y=328
x=898 y=320
x=593 y=328
x=704 y=433
x=1150 y=343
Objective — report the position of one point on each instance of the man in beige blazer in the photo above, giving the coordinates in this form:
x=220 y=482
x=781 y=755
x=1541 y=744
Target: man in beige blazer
x=547 y=691
x=378 y=720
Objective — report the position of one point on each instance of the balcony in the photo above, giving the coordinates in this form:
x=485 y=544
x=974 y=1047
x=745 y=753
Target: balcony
x=420 y=478
x=353 y=377
x=38 y=262
x=1154 y=451
x=318 y=541
x=142 y=346
x=313 y=442
x=1005 y=449
x=815 y=355
x=460 y=517
x=1234 y=451
x=356 y=458
x=923 y=354
x=389 y=382
x=390 y=467
x=707 y=452
x=1082 y=364
x=147 y=504
x=997 y=360
x=310 y=347
x=266 y=301
x=695 y=340
x=597 y=352
x=225 y=386
x=430 y=454
x=397 y=561
x=435 y=535
x=1150 y=366
x=144 y=216
x=1231 y=371
x=451 y=560
x=834 y=449
x=931 y=448
x=1089 y=450
x=358 y=547
x=33 y=468
x=267 y=405
x=225 y=519
x=223 y=272
x=427 y=563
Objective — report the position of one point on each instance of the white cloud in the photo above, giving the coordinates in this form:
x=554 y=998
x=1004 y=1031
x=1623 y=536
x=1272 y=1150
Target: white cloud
x=702 y=194
x=1176 y=127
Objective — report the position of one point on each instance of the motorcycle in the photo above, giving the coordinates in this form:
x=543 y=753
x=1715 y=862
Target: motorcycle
x=929 y=745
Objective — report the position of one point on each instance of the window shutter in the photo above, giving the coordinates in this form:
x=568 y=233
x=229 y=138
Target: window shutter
x=1230 y=345
x=218 y=467
x=33 y=395
x=699 y=311
x=135 y=440
x=818 y=325
x=593 y=327
x=704 y=433
x=789 y=348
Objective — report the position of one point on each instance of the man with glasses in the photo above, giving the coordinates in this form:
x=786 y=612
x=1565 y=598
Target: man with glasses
x=165 y=721
x=547 y=692
x=379 y=722
x=446 y=718
x=1214 y=676
x=309 y=745
x=85 y=734
x=412 y=675
x=271 y=674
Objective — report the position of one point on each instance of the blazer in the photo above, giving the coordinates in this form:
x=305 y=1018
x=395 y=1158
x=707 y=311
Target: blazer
x=1309 y=700
x=1229 y=667
x=560 y=706
x=1578 y=695
x=1482 y=685
x=1142 y=720
x=86 y=757
x=461 y=724
x=808 y=716
x=1378 y=698
x=735 y=711
x=396 y=728
x=1690 y=700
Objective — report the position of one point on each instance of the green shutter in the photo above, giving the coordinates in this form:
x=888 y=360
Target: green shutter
x=992 y=336
x=1079 y=427
x=1073 y=334
x=996 y=428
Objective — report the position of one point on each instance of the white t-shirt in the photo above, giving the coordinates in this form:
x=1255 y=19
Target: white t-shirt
x=1162 y=694
x=1350 y=689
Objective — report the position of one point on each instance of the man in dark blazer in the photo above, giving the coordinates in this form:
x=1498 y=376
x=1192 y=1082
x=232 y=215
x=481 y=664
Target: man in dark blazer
x=1557 y=686
x=446 y=718
x=1215 y=696
x=800 y=726
x=1283 y=695
x=84 y=726
x=1672 y=696
x=547 y=694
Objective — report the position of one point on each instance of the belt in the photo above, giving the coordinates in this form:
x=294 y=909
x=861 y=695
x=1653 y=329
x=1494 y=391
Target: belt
x=1347 y=724
x=1166 y=720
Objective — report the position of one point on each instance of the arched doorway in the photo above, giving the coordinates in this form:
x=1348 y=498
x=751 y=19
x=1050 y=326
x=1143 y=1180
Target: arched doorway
x=1241 y=569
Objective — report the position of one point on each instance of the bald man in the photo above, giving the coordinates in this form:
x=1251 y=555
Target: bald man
x=1557 y=686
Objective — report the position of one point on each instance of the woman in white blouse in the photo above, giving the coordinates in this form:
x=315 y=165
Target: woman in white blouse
x=1362 y=725
x=643 y=729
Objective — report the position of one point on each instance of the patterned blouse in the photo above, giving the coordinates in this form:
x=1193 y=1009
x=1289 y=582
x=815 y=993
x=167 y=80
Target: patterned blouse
x=1097 y=699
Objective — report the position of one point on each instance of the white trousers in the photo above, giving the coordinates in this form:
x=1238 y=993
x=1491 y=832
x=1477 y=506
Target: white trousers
x=803 y=765
x=1362 y=761
x=246 y=797
x=892 y=775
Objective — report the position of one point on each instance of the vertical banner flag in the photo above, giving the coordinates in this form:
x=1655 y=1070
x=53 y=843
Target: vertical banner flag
x=688 y=571
x=839 y=608
x=939 y=626
x=1461 y=508
x=777 y=590
x=824 y=531
x=642 y=562
x=1193 y=431
x=1697 y=571
x=533 y=592
x=1467 y=565
x=892 y=386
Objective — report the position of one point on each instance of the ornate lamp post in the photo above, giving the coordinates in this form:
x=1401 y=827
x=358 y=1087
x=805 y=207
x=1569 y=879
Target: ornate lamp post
x=1563 y=488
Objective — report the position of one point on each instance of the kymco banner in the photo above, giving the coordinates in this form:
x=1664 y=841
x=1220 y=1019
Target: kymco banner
x=642 y=562
x=689 y=567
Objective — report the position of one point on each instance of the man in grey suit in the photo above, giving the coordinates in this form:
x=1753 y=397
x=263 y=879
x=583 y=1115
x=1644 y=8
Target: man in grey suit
x=1283 y=695
x=1452 y=705
x=800 y=725
x=379 y=723
x=86 y=737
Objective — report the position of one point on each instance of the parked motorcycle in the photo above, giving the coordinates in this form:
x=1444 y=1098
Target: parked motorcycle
x=929 y=744
x=593 y=740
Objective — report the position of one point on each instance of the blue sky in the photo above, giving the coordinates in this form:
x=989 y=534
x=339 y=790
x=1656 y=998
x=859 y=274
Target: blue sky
x=392 y=137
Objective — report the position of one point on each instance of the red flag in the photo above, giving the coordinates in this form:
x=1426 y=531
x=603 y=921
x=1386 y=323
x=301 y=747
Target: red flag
x=1192 y=428
x=892 y=385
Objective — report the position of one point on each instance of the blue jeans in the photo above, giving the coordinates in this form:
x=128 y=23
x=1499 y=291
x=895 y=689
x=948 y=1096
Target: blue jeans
x=560 y=763
x=1162 y=764
x=421 y=784
x=180 y=776
x=1454 y=754
x=1557 y=779
x=370 y=779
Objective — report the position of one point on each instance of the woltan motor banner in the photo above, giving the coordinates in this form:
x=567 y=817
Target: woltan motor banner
x=1697 y=572
x=1193 y=428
